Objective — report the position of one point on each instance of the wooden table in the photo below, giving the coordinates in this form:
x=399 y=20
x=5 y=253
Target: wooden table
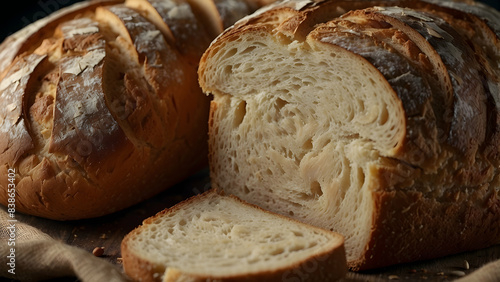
x=108 y=231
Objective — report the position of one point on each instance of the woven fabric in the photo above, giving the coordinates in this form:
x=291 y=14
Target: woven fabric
x=488 y=273
x=37 y=256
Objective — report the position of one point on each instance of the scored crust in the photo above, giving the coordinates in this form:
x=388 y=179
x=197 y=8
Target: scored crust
x=24 y=39
x=102 y=108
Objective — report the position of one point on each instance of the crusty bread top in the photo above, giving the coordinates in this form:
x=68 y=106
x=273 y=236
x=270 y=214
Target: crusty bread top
x=25 y=39
x=212 y=236
x=101 y=98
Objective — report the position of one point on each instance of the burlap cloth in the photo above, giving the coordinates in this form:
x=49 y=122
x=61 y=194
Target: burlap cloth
x=40 y=257
x=487 y=273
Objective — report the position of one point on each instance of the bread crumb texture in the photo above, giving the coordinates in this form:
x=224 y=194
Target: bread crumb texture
x=219 y=237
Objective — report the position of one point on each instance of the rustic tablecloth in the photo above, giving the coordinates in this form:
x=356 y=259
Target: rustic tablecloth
x=36 y=256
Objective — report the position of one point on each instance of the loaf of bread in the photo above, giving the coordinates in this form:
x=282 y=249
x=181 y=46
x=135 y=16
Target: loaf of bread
x=213 y=237
x=100 y=104
x=376 y=119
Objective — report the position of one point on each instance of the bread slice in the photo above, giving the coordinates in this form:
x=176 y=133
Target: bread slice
x=376 y=124
x=214 y=237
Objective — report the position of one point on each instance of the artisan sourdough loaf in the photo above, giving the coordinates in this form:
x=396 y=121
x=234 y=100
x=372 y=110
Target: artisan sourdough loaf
x=375 y=119
x=100 y=104
x=213 y=237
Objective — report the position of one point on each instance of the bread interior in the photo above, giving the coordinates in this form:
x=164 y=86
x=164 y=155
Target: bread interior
x=221 y=237
x=308 y=121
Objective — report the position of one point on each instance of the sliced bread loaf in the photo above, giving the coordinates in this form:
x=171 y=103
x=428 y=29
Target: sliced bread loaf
x=213 y=237
x=375 y=119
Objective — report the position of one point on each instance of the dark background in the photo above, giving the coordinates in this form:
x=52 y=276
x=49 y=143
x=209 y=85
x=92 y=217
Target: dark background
x=15 y=14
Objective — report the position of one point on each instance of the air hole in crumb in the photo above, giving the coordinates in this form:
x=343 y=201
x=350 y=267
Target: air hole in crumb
x=291 y=213
x=361 y=176
x=277 y=251
x=296 y=248
x=182 y=222
x=316 y=189
x=239 y=113
x=248 y=50
x=246 y=190
x=228 y=70
x=229 y=53
x=304 y=196
x=384 y=117
x=279 y=104
x=308 y=145
x=252 y=261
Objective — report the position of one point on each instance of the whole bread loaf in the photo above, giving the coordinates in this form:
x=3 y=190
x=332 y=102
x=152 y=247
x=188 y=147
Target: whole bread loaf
x=100 y=104
x=214 y=237
x=376 y=119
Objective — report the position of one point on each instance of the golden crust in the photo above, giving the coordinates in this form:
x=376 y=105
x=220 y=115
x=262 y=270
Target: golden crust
x=25 y=39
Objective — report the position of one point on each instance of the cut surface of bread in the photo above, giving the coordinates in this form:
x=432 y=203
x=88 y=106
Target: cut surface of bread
x=373 y=119
x=217 y=237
